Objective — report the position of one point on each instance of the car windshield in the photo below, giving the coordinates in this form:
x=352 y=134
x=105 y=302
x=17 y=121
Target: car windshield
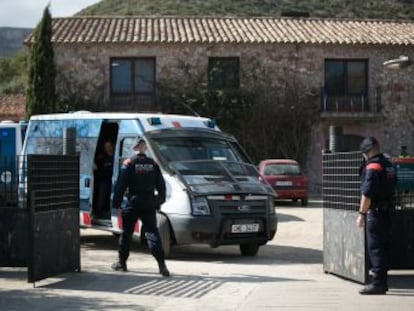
x=210 y=176
x=282 y=169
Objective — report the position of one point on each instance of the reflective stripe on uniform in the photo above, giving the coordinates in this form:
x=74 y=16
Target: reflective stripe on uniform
x=374 y=166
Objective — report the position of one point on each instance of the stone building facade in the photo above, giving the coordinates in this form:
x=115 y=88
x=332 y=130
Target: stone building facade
x=277 y=49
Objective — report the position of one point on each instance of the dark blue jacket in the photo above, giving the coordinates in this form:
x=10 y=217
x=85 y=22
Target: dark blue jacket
x=141 y=175
x=378 y=180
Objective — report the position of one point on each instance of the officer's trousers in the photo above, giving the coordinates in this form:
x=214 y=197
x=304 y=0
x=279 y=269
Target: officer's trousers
x=378 y=226
x=148 y=217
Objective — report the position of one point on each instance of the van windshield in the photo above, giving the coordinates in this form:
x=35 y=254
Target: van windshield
x=199 y=148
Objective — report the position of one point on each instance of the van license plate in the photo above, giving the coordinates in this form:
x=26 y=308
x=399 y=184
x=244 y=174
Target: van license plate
x=244 y=228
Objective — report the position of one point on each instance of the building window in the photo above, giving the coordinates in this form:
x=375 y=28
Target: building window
x=133 y=77
x=346 y=77
x=223 y=73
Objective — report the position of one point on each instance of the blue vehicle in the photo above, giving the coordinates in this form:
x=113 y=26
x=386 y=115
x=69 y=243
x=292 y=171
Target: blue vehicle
x=11 y=142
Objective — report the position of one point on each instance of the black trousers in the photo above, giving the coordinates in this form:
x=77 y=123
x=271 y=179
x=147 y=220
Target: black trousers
x=378 y=226
x=143 y=209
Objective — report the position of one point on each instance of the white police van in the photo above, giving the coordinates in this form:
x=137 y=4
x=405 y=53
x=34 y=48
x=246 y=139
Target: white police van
x=11 y=141
x=214 y=194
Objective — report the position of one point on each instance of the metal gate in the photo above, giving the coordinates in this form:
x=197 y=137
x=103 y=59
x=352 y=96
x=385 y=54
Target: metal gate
x=343 y=243
x=53 y=192
x=42 y=230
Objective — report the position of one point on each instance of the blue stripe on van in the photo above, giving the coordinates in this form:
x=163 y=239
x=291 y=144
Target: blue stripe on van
x=7 y=142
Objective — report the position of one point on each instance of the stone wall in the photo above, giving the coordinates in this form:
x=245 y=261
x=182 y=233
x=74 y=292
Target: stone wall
x=88 y=64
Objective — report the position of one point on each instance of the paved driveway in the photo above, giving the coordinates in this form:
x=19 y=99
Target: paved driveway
x=287 y=274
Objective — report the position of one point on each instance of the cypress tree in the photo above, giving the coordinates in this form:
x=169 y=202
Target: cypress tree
x=41 y=91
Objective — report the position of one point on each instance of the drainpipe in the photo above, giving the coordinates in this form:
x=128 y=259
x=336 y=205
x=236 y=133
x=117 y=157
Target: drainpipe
x=69 y=141
x=335 y=138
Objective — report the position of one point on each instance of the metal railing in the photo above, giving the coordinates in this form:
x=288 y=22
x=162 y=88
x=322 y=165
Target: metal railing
x=351 y=103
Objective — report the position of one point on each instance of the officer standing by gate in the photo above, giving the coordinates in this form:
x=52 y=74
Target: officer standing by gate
x=141 y=175
x=377 y=192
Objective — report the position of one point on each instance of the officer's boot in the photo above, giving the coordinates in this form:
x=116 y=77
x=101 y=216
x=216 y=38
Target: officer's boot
x=119 y=266
x=380 y=280
x=163 y=269
x=377 y=286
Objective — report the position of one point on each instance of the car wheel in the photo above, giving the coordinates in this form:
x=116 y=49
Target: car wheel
x=165 y=233
x=249 y=249
x=304 y=202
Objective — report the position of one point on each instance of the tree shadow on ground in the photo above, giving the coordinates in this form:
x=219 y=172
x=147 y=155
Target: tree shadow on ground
x=281 y=217
x=292 y=204
x=268 y=254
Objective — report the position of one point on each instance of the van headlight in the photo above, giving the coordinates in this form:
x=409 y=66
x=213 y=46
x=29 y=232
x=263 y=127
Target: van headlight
x=200 y=206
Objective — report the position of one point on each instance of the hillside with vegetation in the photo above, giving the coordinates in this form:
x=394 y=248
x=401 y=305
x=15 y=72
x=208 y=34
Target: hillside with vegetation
x=372 y=9
x=11 y=40
x=255 y=105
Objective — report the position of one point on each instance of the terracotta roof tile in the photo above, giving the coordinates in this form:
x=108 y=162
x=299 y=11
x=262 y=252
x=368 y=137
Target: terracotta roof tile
x=235 y=30
x=12 y=107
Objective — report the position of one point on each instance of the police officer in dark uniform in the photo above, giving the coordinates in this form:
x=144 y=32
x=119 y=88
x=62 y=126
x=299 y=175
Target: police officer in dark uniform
x=376 y=205
x=141 y=175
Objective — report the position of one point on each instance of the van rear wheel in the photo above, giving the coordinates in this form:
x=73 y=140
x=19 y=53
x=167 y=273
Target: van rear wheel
x=249 y=249
x=165 y=233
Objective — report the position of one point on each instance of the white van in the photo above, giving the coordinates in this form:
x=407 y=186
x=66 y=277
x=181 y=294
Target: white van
x=11 y=141
x=214 y=194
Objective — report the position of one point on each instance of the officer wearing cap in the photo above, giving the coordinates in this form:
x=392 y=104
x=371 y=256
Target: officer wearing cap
x=141 y=175
x=376 y=204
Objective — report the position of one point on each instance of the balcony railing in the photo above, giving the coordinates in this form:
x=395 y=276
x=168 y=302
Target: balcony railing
x=348 y=103
x=351 y=104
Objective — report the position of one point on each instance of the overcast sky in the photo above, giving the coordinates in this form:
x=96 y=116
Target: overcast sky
x=27 y=13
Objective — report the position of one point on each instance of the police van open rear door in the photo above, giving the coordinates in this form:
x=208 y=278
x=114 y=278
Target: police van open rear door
x=99 y=197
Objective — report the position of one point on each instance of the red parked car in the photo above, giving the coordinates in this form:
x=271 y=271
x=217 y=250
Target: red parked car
x=286 y=178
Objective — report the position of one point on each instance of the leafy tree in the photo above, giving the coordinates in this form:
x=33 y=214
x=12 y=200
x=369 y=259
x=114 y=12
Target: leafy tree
x=41 y=92
x=270 y=122
x=73 y=95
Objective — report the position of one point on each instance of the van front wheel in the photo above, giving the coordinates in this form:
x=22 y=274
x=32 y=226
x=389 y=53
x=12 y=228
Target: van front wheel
x=164 y=229
x=249 y=249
